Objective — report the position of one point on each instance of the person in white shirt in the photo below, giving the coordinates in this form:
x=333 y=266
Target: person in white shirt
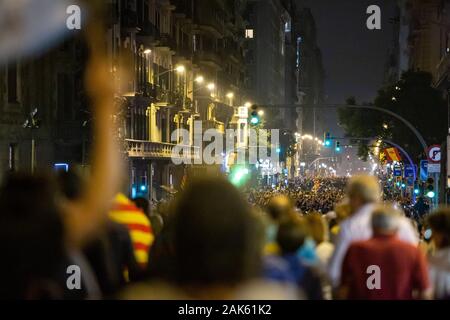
x=363 y=192
x=439 y=262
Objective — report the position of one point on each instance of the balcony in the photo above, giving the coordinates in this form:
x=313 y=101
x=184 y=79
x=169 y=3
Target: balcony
x=208 y=21
x=148 y=34
x=214 y=124
x=208 y=58
x=129 y=19
x=158 y=150
x=165 y=41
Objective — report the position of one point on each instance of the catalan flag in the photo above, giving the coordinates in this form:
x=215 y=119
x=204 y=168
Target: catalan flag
x=125 y=212
x=392 y=155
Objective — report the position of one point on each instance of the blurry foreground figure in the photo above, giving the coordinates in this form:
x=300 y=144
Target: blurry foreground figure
x=217 y=245
x=363 y=192
x=439 y=262
x=280 y=209
x=37 y=227
x=291 y=237
x=384 y=267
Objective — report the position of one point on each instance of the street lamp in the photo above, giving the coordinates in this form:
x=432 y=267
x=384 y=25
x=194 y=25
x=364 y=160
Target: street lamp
x=230 y=96
x=211 y=86
x=247 y=104
x=32 y=122
x=261 y=112
x=180 y=69
x=199 y=79
x=147 y=51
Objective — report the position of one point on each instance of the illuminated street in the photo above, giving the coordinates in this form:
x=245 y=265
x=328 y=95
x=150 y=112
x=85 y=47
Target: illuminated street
x=225 y=150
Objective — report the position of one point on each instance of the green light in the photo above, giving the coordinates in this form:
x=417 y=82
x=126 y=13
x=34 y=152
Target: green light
x=403 y=185
x=239 y=176
x=416 y=191
x=278 y=150
x=254 y=120
x=338 y=149
x=431 y=194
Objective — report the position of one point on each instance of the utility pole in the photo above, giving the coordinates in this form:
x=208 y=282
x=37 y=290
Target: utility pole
x=32 y=123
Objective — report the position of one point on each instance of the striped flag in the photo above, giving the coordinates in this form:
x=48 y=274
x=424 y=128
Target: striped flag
x=392 y=155
x=125 y=212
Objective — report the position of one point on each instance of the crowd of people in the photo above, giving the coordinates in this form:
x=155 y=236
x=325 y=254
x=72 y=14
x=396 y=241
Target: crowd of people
x=74 y=236
x=217 y=246
x=309 y=195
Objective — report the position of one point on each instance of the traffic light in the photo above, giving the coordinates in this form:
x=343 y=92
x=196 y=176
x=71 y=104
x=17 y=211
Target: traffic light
x=254 y=116
x=338 y=146
x=239 y=175
x=429 y=188
x=143 y=185
x=327 y=140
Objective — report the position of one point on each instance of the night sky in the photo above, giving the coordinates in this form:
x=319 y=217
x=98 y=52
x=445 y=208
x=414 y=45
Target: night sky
x=354 y=57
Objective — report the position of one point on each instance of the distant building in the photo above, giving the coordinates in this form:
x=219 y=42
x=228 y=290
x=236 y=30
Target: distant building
x=52 y=84
x=311 y=79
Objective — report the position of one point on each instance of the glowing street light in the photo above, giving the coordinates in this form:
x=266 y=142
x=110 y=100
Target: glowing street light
x=180 y=69
x=199 y=79
x=261 y=112
x=211 y=86
x=247 y=104
x=147 y=51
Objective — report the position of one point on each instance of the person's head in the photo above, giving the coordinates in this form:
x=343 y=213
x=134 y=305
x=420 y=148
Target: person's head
x=318 y=227
x=216 y=240
x=291 y=235
x=143 y=204
x=31 y=235
x=362 y=190
x=439 y=222
x=385 y=219
x=280 y=208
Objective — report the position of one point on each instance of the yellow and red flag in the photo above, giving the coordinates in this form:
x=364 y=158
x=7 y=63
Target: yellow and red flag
x=392 y=155
x=125 y=212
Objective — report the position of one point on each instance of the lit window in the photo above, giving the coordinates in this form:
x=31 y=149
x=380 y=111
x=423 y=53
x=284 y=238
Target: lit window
x=287 y=27
x=249 y=33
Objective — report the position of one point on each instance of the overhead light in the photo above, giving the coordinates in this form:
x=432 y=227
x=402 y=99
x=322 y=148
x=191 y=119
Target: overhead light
x=199 y=79
x=211 y=86
x=261 y=112
x=147 y=51
x=230 y=95
x=247 y=104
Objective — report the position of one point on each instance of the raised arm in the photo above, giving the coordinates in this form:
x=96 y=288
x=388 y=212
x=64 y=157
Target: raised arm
x=87 y=214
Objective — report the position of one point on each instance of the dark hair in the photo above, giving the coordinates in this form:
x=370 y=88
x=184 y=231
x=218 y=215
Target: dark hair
x=291 y=236
x=143 y=204
x=280 y=208
x=215 y=235
x=439 y=222
x=31 y=233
